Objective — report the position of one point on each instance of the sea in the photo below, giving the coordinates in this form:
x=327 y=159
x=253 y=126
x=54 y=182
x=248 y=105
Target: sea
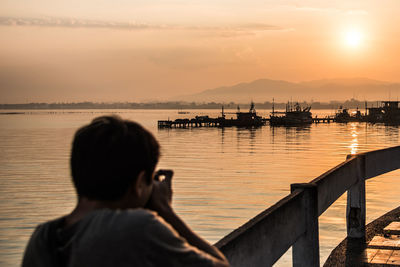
x=222 y=176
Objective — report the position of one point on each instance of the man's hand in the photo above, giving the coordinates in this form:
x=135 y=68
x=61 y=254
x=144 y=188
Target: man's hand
x=161 y=196
x=160 y=201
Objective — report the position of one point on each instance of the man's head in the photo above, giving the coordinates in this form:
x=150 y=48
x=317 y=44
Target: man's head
x=109 y=155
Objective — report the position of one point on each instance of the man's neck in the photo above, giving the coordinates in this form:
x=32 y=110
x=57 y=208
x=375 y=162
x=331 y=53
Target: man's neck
x=85 y=206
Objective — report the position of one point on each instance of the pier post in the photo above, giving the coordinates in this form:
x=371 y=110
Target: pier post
x=305 y=251
x=355 y=211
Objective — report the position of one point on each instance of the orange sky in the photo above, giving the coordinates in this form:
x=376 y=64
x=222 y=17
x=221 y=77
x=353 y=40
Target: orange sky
x=133 y=51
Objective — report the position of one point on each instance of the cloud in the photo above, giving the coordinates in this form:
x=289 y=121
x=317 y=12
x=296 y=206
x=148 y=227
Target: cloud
x=75 y=23
x=230 y=30
x=239 y=29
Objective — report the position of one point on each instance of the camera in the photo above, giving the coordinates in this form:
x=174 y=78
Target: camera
x=161 y=175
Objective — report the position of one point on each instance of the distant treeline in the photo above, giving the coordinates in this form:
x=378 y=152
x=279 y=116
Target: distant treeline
x=351 y=104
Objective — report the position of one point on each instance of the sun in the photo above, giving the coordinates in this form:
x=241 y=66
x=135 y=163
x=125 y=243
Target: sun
x=353 y=38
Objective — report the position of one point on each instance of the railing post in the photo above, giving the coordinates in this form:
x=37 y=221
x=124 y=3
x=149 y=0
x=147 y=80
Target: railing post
x=355 y=212
x=306 y=249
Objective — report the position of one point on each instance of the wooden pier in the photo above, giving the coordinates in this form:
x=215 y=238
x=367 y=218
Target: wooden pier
x=189 y=123
x=205 y=121
x=327 y=119
x=293 y=220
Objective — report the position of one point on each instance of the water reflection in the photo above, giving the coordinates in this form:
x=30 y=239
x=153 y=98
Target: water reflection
x=222 y=135
x=246 y=138
x=354 y=141
x=392 y=131
x=294 y=137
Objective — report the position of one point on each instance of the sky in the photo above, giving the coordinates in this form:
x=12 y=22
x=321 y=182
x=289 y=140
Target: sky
x=106 y=51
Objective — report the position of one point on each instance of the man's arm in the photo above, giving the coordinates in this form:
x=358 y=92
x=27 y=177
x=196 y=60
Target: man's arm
x=191 y=237
x=160 y=201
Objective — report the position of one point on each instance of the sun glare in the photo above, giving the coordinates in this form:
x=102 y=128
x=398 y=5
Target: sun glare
x=353 y=38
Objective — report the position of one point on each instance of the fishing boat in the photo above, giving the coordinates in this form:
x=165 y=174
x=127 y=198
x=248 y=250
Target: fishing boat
x=343 y=115
x=243 y=119
x=388 y=112
x=293 y=116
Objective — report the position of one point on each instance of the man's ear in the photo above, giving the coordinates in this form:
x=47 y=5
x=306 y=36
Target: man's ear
x=140 y=184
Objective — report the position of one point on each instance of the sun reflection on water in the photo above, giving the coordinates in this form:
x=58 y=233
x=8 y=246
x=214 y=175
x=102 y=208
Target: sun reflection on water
x=354 y=141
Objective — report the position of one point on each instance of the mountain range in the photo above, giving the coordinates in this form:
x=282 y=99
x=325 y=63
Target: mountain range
x=316 y=90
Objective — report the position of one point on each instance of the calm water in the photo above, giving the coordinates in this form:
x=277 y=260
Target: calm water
x=223 y=177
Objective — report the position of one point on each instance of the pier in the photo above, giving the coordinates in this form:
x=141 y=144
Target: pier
x=243 y=119
x=327 y=119
x=380 y=247
x=388 y=112
x=293 y=221
x=198 y=121
x=205 y=121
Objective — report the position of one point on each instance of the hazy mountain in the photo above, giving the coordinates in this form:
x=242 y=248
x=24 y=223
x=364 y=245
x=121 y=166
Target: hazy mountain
x=316 y=90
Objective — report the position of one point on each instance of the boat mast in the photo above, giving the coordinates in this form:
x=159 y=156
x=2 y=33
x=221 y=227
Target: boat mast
x=273 y=106
x=252 y=110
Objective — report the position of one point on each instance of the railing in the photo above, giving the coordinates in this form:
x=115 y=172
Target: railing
x=293 y=221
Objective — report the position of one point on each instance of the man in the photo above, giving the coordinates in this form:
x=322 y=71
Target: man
x=124 y=215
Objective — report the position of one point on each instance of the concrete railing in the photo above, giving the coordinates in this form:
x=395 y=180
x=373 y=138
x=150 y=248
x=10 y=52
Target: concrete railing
x=293 y=221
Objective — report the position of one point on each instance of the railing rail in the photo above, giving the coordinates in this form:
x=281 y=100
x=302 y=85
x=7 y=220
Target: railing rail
x=293 y=221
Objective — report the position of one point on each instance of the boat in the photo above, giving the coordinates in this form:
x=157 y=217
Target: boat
x=243 y=119
x=387 y=112
x=343 y=115
x=183 y=112
x=293 y=116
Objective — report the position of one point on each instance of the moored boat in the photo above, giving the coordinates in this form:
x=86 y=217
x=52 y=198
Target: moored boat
x=343 y=115
x=243 y=119
x=388 y=112
x=293 y=116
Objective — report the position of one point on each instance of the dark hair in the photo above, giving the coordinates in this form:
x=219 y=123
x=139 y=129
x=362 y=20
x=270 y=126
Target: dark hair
x=108 y=155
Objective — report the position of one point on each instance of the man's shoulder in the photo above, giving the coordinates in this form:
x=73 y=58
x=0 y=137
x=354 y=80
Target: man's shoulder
x=47 y=229
x=39 y=251
x=104 y=220
x=129 y=217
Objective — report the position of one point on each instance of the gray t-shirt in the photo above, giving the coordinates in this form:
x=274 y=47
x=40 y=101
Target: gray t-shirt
x=136 y=237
